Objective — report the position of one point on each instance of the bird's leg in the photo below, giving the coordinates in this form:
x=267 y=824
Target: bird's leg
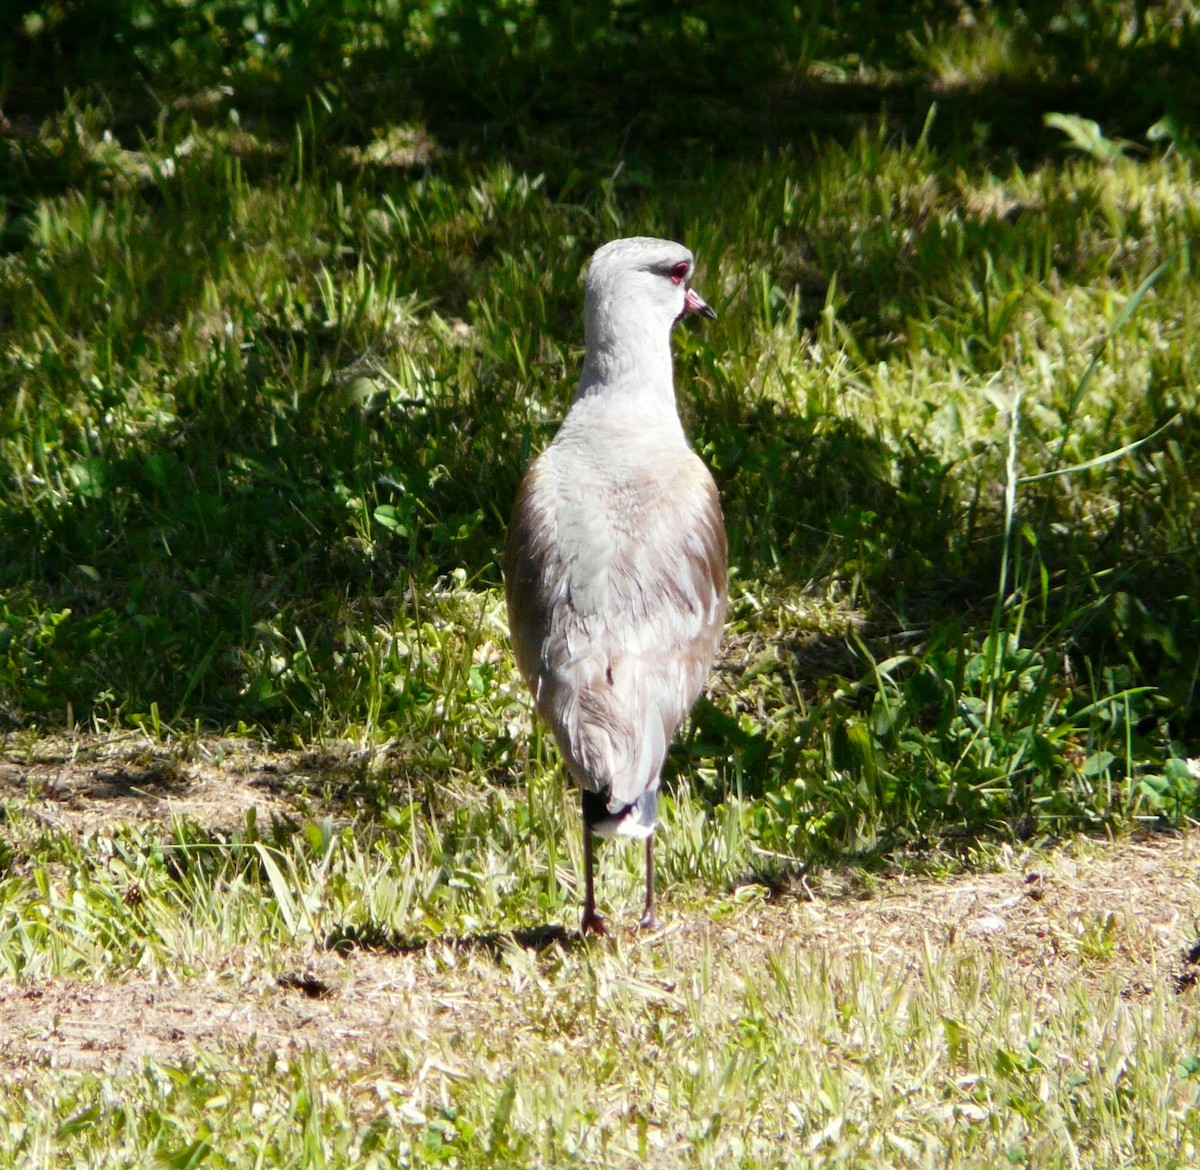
x=649 y=918
x=592 y=922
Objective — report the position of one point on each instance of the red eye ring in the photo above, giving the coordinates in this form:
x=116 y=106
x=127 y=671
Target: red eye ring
x=679 y=271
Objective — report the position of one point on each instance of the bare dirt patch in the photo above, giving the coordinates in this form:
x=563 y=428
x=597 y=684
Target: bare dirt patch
x=370 y=1002
x=1093 y=911
x=84 y=784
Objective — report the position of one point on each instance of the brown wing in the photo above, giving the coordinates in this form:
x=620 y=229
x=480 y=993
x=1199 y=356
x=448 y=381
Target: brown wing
x=616 y=601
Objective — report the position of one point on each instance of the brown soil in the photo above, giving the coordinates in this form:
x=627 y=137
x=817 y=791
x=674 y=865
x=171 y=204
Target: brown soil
x=84 y=784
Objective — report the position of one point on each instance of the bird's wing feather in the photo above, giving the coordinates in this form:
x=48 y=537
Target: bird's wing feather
x=616 y=595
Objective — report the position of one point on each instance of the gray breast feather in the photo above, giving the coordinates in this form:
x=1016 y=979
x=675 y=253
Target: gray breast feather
x=616 y=603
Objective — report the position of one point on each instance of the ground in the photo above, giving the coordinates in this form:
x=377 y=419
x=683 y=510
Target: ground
x=1087 y=914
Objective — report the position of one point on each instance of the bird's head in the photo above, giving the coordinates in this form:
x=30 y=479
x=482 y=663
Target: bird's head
x=643 y=282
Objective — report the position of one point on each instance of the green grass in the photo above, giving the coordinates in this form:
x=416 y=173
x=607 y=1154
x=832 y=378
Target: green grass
x=747 y=1033
x=267 y=487
x=289 y=296
x=849 y=1075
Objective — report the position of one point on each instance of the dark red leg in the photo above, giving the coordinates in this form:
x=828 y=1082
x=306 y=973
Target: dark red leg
x=649 y=918
x=592 y=922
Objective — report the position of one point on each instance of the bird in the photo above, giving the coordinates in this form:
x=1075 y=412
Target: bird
x=616 y=561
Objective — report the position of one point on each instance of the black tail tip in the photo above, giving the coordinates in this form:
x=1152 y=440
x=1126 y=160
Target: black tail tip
x=595 y=808
x=606 y=821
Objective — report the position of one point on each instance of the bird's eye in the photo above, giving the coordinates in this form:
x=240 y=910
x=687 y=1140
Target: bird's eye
x=679 y=271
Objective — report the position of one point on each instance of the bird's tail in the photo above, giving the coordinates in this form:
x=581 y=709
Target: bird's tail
x=607 y=819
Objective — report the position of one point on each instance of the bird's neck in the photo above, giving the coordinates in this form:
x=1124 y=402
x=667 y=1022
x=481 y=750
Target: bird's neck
x=631 y=355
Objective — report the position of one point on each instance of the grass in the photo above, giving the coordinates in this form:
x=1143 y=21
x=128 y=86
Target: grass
x=288 y=298
x=879 y=1079
x=225 y=543
x=803 y=1033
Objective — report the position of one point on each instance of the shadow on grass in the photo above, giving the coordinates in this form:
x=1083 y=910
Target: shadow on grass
x=192 y=549
x=492 y=942
x=649 y=82
x=201 y=559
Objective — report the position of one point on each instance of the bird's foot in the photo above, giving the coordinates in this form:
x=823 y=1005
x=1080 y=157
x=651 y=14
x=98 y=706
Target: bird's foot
x=649 y=921
x=593 y=924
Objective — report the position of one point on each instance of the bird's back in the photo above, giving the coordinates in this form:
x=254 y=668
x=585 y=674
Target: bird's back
x=616 y=584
